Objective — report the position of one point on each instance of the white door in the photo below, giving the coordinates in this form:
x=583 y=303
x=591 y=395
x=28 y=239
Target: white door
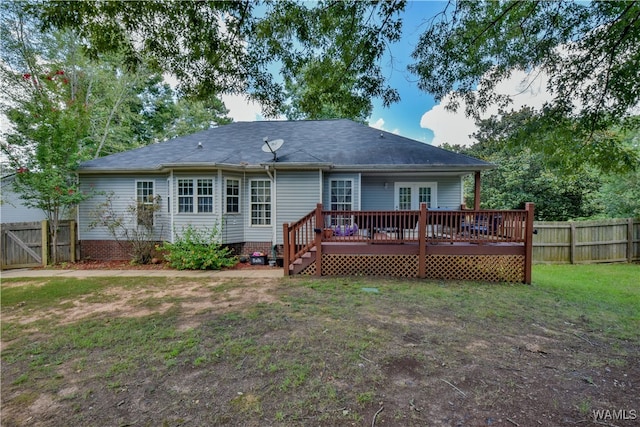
x=409 y=195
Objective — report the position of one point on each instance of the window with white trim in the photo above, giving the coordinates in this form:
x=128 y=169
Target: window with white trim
x=205 y=195
x=185 y=195
x=341 y=194
x=261 y=202
x=232 y=196
x=145 y=202
x=195 y=195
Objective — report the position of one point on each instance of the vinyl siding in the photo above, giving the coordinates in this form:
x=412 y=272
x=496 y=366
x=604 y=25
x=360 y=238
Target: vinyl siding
x=123 y=189
x=376 y=197
x=12 y=208
x=297 y=194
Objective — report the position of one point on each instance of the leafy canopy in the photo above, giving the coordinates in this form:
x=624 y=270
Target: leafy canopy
x=248 y=47
x=590 y=52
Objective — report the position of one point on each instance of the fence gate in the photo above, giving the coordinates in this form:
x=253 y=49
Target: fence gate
x=26 y=244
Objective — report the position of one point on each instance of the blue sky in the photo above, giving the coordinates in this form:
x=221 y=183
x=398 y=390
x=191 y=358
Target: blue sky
x=404 y=117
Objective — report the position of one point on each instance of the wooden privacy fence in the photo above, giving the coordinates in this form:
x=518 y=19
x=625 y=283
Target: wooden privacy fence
x=27 y=244
x=612 y=240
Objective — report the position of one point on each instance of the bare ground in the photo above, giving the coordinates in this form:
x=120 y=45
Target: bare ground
x=420 y=368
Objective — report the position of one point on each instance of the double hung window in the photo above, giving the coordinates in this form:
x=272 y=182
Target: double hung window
x=261 y=202
x=144 y=202
x=195 y=195
x=232 y=196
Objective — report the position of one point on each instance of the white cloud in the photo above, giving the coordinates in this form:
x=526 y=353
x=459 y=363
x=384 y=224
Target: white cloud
x=379 y=124
x=241 y=109
x=456 y=128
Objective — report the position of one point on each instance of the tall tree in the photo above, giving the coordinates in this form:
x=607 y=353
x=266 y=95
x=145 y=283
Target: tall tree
x=46 y=104
x=243 y=47
x=64 y=108
x=521 y=175
x=589 y=50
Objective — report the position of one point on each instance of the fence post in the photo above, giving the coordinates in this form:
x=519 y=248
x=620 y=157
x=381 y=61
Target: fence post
x=422 y=242
x=572 y=242
x=319 y=226
x=630 y=240
x=44 y=233
x=528 y=246
x=72 y=240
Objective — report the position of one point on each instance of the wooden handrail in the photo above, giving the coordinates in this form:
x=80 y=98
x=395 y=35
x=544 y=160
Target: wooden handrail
x=299 y=237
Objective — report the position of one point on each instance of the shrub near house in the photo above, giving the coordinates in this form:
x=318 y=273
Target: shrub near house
x=197 y=249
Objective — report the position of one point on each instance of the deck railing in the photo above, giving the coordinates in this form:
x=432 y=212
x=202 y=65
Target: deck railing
x=481 y=227
x=422 y=227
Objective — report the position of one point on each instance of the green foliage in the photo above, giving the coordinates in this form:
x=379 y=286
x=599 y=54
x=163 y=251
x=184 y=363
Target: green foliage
x=620 y=195
x=589 y=51
x=197 y=249
x=330 y=48
x=522 y=175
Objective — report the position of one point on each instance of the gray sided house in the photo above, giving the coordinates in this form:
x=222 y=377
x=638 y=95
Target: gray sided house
x=222 y=177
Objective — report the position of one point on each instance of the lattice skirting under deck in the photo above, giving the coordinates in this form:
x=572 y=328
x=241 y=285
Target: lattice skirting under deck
x=486 y=268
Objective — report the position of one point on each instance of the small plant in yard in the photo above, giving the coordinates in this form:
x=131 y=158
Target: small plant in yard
x=197 y=249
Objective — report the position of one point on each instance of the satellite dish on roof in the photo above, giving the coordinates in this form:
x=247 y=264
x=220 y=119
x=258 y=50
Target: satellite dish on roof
x=272 y=146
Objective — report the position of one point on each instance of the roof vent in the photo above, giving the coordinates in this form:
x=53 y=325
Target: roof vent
x=199 y=144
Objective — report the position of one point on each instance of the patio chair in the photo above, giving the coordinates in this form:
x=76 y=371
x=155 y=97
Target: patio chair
x=481 y=225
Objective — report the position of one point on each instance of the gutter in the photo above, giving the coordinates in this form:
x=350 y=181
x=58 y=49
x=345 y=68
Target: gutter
x=166 y=168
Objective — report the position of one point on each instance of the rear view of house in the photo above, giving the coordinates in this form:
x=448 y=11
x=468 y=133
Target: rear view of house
x=222 y=177
x=252 y=180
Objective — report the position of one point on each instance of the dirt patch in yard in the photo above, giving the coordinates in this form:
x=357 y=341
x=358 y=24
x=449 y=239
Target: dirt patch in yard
x=280 y=352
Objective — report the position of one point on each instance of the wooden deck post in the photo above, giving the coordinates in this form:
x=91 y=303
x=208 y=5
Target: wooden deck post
x=476 y=192
x=286 y=249
x=422 y=242
x=319 y=226
x=528 y=243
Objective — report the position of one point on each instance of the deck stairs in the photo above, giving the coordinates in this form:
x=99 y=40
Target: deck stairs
x=308 y=258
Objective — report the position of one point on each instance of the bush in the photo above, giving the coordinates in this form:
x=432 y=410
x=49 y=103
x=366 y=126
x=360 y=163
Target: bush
x=197 y=249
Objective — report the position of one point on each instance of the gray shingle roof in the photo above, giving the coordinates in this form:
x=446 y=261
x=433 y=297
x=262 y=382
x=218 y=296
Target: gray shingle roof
x=335 y=143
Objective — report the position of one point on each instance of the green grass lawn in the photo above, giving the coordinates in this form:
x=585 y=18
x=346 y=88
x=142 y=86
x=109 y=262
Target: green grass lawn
x=331 y=351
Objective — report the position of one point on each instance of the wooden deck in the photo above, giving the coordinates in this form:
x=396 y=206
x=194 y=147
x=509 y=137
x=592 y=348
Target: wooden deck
x=488 y=245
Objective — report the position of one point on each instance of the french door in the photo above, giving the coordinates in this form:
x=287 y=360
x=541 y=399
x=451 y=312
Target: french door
x=409 y=195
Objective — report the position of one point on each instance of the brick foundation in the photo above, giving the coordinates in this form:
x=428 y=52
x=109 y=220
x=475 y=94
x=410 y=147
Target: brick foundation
x=110 y=250
x=105 y=250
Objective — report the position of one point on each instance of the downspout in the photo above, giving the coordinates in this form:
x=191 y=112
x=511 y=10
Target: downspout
x=274 y=204
x=222 y=230
x=170 y=201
